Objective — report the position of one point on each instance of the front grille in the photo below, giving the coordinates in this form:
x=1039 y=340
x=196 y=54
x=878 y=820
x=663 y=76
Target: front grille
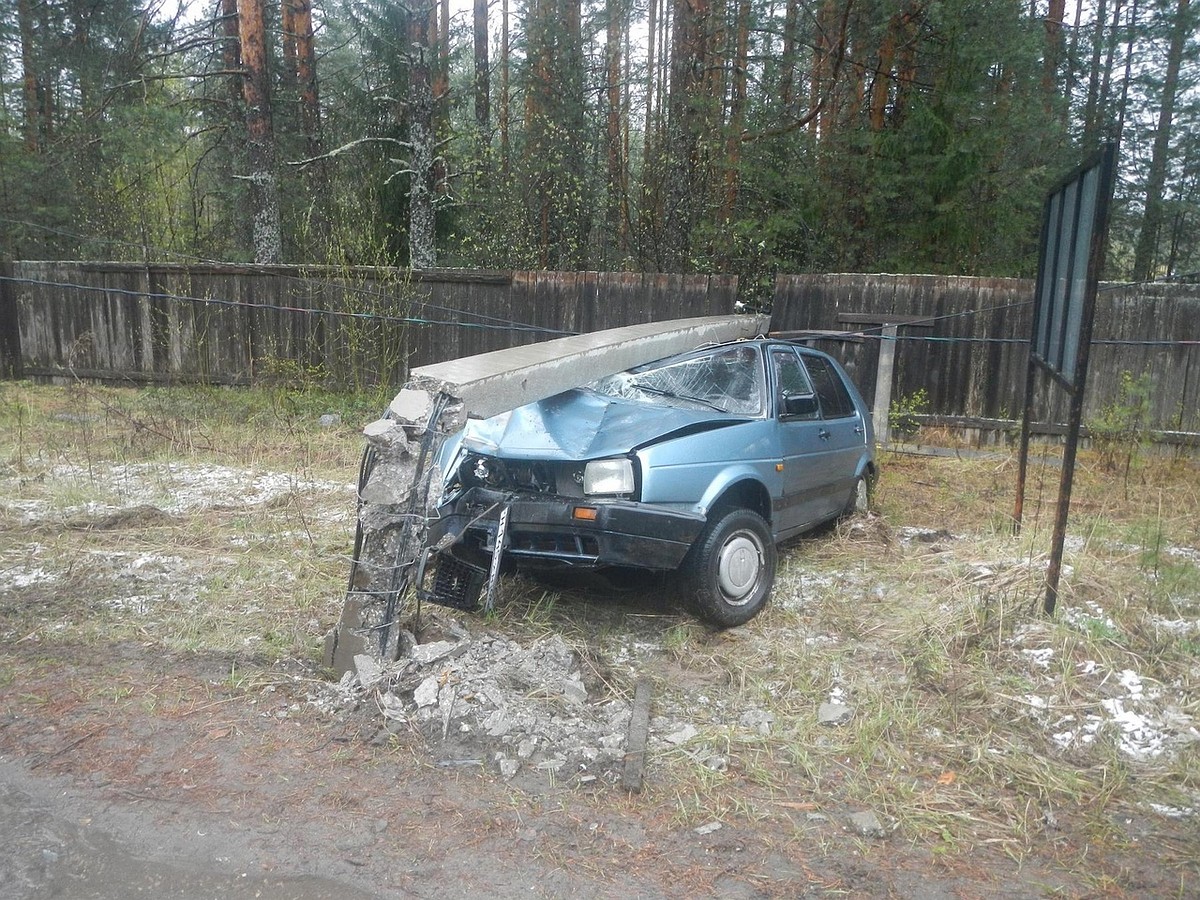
x=556 y=544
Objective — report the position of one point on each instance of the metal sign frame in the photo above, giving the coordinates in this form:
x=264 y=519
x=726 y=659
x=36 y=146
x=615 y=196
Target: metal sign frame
x=1071 y=257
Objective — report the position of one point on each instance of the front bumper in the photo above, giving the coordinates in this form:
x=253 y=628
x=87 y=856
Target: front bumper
x=544 y=532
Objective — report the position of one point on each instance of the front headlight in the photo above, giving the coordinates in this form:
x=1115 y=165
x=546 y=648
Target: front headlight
x=608 y=476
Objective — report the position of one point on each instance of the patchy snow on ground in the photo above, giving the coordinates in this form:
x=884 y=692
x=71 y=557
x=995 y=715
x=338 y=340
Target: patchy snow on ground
x=170 y=487
x=1144 y=720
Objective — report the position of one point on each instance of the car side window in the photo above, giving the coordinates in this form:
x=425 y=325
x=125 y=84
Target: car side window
x=791 y=379
x=835 y=399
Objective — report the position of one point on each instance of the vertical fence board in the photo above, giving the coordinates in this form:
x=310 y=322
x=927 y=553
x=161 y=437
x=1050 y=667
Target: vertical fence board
x=967 y=372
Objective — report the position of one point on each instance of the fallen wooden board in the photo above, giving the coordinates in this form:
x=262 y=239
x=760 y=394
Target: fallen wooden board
x=639 y=733
x=491 y=383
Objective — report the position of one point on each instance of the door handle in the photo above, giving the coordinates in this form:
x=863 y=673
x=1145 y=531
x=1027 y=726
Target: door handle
x=823 y=434
x=859 y=430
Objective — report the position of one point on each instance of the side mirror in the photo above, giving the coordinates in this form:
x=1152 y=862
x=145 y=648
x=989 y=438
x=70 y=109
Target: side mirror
x=800 y=405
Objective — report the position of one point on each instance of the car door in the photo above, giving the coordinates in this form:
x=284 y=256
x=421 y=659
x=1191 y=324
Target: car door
x=842 y=434
x=802 y=449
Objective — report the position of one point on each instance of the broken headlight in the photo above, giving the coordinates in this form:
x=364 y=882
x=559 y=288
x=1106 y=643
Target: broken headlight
x=608 y=476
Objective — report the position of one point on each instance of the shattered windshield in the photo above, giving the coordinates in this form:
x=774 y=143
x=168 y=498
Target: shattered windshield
x=728 y=380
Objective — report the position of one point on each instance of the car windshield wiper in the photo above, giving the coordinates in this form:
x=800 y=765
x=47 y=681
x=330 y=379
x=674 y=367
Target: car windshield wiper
x=662 y=392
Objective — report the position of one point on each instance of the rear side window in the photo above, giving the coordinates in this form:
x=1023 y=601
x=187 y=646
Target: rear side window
x=835 y=399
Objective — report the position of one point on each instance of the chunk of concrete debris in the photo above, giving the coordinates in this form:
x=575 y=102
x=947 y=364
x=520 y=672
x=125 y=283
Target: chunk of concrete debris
x=368 y=670
x=411 y=406
x=329 y=420
x=508 y=767
x=834 y=714
x=497 y=724
x=426 y=693
x=425 y=654
x=708 y=828
x=387 y=433
x=393 y=707
x=758 y=720
x=867 y=824
x=573 y=689
x=682 y=736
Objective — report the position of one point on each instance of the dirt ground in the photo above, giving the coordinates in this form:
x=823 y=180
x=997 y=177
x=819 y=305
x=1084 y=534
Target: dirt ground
x=161 y=625
x=165 y=786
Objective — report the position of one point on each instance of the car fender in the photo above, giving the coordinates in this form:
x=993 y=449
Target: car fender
x=737 y=478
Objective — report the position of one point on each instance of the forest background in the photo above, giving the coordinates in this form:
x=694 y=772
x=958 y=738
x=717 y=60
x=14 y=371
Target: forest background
x=749 y=137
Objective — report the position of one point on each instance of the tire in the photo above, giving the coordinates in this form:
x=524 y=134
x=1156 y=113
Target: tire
x=859 y=501
x=730 y=570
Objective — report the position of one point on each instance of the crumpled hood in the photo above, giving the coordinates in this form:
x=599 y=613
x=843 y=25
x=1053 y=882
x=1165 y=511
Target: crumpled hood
x=582 y=424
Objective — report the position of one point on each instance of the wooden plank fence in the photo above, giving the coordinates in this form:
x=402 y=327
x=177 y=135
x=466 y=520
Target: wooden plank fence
x=235 y=324
x=970 y=358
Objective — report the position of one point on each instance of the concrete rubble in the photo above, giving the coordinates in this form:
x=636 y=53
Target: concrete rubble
x=510 y=706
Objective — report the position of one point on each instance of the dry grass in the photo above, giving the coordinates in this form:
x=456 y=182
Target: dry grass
x=924 y=619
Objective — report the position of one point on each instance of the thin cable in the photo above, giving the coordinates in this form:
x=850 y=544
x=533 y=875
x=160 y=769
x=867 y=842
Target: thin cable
x=211 y=301
x=190 y=258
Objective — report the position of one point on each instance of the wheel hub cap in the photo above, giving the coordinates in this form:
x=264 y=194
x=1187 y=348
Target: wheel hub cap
x=739 y=567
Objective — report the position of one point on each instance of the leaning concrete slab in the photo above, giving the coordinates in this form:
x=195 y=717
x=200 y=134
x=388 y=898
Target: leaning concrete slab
x=492 y=383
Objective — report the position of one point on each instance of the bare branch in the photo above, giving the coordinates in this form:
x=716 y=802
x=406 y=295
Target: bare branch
x=300 y=163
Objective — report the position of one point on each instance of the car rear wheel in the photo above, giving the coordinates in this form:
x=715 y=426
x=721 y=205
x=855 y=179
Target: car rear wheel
x=730 y=569
x=859 y=501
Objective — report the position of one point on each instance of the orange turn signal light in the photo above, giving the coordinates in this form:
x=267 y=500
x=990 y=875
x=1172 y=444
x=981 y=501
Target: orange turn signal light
x=586 y=513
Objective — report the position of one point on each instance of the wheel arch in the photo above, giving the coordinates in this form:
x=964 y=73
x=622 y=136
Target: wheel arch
x=742 y=493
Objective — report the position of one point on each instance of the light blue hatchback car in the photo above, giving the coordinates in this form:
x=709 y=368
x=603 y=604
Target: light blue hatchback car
x=700 y=463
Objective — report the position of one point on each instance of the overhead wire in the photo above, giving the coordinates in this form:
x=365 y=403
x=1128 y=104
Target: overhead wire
x=501 y=323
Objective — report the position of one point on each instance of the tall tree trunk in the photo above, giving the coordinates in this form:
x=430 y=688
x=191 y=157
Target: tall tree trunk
x=651 y=65
x=483 y=102
x=737 y=114
x=1092 y=110
x=617 y=184
x=422 y=185
x=30 y=81
x=504 y=84
x=1147 y=245
x=1103 y=114
x=260 y=134
x=787 y=63
x=231 y=51
x=287 y=28
x=687 y=103
x=1123 y=104
x=439 y=63
x=1052 y=58
x=306 y=75
x=882 y=82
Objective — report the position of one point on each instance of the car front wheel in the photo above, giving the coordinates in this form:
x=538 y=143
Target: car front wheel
x=730 y=569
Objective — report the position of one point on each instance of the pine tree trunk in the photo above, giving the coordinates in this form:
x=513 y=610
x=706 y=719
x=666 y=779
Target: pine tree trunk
x=617 y=186
x=483 y=102
x=1147 y=245
x=737 y=113
x=29 y=81
x=260 y=134
x=421 y=222
x=504 y=84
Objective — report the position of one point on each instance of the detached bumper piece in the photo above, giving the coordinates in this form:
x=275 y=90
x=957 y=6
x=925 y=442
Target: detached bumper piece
x=456 y=584
x=552 y=532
